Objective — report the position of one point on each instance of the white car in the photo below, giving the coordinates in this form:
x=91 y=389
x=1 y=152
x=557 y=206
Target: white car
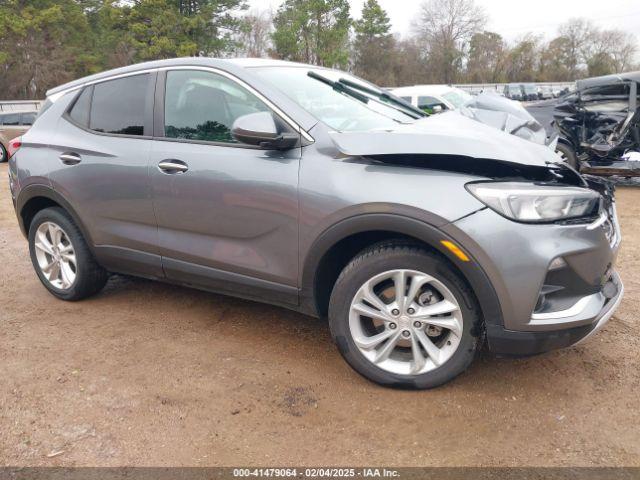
x=434 y=98
x=487 y=107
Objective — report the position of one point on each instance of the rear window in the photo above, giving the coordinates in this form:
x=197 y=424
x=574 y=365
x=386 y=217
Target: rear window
x=28 y=118
x=115 y=106
x=80 y=111
x=118 y=106
x=11 y=119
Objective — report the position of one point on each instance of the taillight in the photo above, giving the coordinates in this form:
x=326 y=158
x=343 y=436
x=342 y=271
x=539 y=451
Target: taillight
x=14 y=146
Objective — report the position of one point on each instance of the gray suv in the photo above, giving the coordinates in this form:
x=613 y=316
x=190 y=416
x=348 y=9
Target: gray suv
x=417 y=236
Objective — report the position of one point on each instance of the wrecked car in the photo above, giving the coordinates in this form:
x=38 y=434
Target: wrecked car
x=599 y=125
x=417 y=236
x=486 y=107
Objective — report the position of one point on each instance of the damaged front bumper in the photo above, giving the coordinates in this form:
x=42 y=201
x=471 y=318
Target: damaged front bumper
x=507 y=342
x=556 y=283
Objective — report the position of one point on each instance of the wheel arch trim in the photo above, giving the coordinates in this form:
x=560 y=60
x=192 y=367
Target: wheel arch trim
x=432 y=236
x=33 y=191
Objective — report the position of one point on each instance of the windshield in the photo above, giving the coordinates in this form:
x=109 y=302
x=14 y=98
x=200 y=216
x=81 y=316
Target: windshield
x=530 y=88
x=458 y=98
x=338 y=110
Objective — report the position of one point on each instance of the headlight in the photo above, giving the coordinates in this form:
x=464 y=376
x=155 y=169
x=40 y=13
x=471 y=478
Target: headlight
x=528 y=202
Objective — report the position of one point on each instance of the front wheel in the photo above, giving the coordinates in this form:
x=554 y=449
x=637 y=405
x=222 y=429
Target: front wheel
x=402 y=317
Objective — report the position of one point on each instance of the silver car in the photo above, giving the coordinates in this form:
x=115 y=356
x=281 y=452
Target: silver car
x=419 y=237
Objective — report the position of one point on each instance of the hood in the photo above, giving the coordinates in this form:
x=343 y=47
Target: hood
x=449 y=133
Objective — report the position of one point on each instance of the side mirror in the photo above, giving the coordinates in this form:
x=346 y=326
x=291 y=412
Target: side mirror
x=260 y=129
x=437 y=108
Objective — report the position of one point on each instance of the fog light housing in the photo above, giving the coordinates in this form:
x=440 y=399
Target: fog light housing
x=557 y=263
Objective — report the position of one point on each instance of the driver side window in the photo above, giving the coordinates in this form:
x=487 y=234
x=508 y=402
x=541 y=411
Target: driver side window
x=203 y=106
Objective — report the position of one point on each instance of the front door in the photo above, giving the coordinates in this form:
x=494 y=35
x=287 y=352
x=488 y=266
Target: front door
x=227 y=213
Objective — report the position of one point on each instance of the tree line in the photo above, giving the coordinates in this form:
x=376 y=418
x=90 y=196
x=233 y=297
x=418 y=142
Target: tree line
x=44 y=43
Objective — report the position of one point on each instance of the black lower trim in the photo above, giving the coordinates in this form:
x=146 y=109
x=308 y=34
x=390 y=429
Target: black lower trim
x=522 y=344
x=129 y=262
x=229 y=283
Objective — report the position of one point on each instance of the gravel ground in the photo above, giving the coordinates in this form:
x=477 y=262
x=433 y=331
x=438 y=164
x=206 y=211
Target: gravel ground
x=149 y=374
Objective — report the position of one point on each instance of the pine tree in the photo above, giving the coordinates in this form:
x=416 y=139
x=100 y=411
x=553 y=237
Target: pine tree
x=313 y=31
x=373 y=47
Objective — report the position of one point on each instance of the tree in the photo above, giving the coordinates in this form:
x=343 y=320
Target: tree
x=166 y=28
x=42 y=43
x=313 y=31
x=553 y=63
x=410 y=64
x=445 y=28
x=612 y=51
x=373 y=46
x=523 y=59
x=577 y=34
x=487 y=58
x=211 y=24
x=254 y=37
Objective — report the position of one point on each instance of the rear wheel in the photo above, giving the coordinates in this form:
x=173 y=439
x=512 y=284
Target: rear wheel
x=567 y=155
x=3 y=154
x=61 y=257
x=402 y=317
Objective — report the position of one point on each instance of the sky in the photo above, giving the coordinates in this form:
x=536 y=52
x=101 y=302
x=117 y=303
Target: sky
x=514 y=18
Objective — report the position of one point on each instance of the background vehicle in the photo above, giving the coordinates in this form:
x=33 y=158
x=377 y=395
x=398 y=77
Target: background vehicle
x=488 y=107
x=513 y=91
x=13 y=125
x=545 y=93
x=599 y=123
x=311 y=189
x=529 y=92
x=426 y=97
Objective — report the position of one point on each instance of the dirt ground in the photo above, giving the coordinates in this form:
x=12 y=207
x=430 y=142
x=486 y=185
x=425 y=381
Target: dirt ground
x=149 y=374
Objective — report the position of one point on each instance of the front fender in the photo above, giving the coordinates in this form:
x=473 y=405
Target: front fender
x=431 y=235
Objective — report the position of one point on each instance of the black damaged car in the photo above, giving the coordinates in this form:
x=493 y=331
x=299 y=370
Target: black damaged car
x=599 y=125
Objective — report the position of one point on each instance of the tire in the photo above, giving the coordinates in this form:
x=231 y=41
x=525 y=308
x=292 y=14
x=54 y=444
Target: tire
x=88 y=277
x=567 y=154
x=3 y=154
x=376 y=262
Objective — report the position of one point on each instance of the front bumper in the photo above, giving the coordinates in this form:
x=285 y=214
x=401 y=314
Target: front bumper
x=555 y=283
x=514 y=343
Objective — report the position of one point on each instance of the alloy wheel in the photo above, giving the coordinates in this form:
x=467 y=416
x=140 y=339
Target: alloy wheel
x=56 y=256
x=405 y=322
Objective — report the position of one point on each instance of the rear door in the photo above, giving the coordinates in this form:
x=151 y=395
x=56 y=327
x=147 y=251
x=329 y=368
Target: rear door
x=103 y=146
x=228 y=219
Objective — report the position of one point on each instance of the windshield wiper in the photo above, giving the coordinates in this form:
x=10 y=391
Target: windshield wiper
x=339 y=87
x=405 y=106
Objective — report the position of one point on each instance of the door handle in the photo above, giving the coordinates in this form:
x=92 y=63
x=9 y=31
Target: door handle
x=172 y=167
x=70 y=158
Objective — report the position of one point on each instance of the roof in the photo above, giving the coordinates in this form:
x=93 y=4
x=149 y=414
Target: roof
x=608 y=80
x=239 y=68
x=184 y=61
x=266 y=62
